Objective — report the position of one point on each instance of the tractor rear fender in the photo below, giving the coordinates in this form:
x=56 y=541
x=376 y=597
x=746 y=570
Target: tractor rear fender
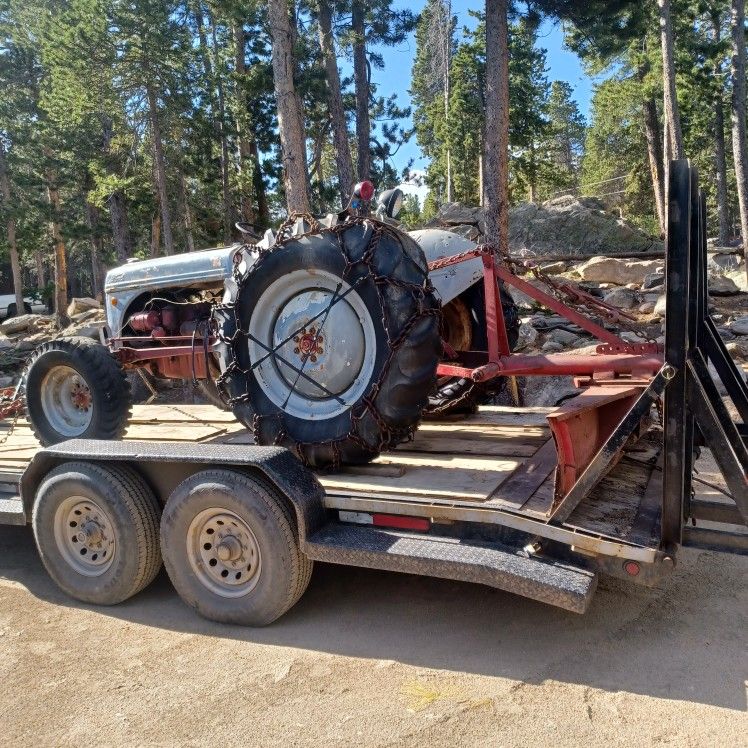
x=165 y=465
x=451 y=281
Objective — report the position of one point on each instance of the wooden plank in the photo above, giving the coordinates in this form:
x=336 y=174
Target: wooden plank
x=516 y=491
x=180 y=414
x=645 y=524
x=541 y=501
x=500 y=415
x=488 y=431
x=190 y=432
x=448 y=444
x=471 y=478
x=612 y=505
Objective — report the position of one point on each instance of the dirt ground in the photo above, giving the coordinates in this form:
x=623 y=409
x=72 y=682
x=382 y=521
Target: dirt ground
x=377 y=659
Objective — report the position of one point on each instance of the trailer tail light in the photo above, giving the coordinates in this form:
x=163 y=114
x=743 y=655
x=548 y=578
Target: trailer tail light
x=401 y=522
x=396 y=521
x=631 y=568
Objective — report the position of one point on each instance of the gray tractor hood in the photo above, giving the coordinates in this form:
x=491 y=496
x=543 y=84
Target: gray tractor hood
x=209 y=268
x=204 y=269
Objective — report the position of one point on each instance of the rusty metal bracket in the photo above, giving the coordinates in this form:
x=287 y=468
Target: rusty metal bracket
x=609 y=451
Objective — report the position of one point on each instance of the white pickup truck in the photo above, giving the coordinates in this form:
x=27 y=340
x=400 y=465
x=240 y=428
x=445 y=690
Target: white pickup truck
x=31 y=305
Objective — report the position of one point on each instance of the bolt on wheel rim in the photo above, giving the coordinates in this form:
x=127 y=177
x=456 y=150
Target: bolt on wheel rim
x=318 y=325
x=223 y=552
x=66 y=400
x=84 y=534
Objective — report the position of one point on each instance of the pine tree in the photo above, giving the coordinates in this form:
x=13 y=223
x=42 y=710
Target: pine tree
x=335 y=100
x=738 y=113
x=290 y=117
x=566 y=131
x=496 y=137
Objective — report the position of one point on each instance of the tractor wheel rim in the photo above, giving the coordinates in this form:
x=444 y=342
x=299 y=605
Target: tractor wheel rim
x=66 y=400
x=330 y=340
x=223 y=552
x=84 y=534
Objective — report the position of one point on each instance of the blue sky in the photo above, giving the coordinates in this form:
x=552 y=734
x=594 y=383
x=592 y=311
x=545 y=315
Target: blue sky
x=395 y=78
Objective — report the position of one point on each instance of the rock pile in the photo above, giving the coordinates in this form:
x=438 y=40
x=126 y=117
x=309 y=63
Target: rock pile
x=578 y=227
x=20 y=335
x=635 y=286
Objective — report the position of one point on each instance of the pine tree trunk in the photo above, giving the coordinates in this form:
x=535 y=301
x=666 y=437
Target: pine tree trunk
x=496 y=137
x=447 y=52
x=186 y=212
x=720 y=160
x=61 y=268
x=672 y=116
x=97 y=247
x=361 y=81
x=155 y=234
x=41 y=275
x=290 y=119
x=340 y=142
x=120 y=227
x=117 y=201
x=720 y=172
x=225 y=164
x=15 y=261
x=263 y=210
x=738 y=115
x=656 y=162
x=160 y=170
x=244 y=148
x=316 y=165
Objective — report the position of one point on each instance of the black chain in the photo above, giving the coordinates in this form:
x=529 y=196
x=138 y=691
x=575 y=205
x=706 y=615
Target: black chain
x=520 y=267
x=422 y=293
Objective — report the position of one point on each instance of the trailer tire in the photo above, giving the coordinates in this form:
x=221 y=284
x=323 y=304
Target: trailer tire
x=62 y=370
x=121 y=519
x=256 y=572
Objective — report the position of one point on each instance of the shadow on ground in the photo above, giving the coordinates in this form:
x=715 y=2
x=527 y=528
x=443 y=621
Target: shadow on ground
x=685 y=640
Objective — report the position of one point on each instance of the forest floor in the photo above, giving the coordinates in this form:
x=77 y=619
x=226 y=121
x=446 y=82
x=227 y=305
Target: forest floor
x=377 y=659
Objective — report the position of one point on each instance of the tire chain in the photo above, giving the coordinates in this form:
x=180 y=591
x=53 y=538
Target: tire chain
x=522 y=266
x=427 y=303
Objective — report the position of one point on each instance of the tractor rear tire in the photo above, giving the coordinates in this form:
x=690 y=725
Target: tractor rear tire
x=75 y=389
x=361 y=344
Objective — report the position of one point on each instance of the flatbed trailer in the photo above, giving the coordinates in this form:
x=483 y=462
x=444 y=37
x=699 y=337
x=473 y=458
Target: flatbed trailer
x=485 y=499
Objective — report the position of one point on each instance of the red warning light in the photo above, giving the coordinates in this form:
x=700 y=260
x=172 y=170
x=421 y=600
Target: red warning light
x=365 y=190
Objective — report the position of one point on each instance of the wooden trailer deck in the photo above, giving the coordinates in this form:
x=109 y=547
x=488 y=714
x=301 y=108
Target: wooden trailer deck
x=502 y=458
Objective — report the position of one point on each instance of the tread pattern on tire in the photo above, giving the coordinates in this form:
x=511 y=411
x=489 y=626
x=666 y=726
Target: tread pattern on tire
x=147 y=515
x=110 y=380
x=306 y=565
x=141 y=505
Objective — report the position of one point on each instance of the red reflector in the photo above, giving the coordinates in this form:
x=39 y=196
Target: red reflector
x=402 y=523
x=366 y=190
x=631 y=568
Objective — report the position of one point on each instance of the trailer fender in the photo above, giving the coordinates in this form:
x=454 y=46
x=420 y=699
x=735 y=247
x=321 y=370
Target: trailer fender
x=164 y=465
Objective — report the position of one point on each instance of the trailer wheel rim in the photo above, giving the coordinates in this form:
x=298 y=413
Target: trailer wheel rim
x=66 y=401
x=223 y=552
x=337 y=350
x=85 y=537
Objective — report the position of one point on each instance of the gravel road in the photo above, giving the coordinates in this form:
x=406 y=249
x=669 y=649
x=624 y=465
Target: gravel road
x=376 y=659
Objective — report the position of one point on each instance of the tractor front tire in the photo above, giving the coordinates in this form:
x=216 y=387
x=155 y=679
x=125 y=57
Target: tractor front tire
x=75 y=389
